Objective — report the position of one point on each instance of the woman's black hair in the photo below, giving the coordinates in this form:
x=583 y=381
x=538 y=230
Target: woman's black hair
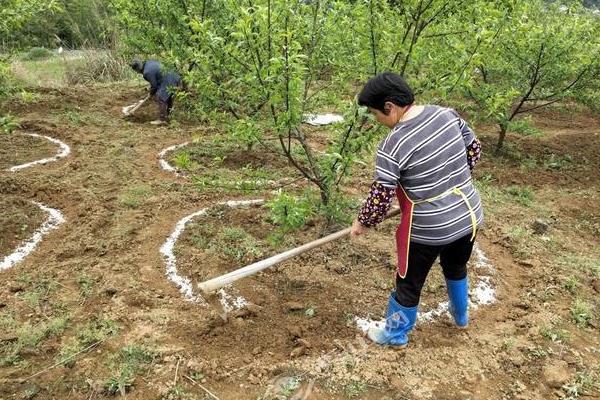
x=387 y=86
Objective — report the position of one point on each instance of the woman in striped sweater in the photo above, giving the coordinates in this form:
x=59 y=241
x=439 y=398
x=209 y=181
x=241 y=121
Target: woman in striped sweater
x=426 y=161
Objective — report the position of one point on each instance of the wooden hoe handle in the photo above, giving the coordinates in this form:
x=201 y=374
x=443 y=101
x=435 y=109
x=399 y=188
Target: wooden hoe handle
x=216 y=283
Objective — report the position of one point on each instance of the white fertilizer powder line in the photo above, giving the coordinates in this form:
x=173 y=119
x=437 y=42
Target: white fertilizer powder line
x=185 y=284
x=483 y=293
x=64 y=151
x=55 y=218
x=322 y=119
x=161 y=157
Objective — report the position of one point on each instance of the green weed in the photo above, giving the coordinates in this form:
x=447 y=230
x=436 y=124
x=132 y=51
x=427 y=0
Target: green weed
x=555 y=334
x=539 y=352
x=580 y=262
x=135 y=196
x=74 y=117
x=555 y=162
x=581 y=312
x=92 y=332
x=289 y=212
x=85 y=286
x=355 y=388
x=571 y=284
x=28 y=97
x=521 y=194
x=290 y=386
x=524 y=126
x=8 y=124
x=183 y=161
x=28 y=336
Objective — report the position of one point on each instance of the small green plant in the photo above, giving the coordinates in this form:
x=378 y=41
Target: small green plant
x=556 y=335
x=234 y=234
x=28 y=97
x=522 y=194
x=581 y=313
x=8 y=124
x=355 y=388
x=588 y=264
x=85 y=286
x=290 y=386
x=121 y=383
x=584 y=381
x=30 y=392
x=571 y=284
x=555 y=162
x=539 y=352
x=74 y=117
x=92 y=332
x=134 y=196
x=28 y=336
x=508 y=344
x=289 y=212
x=183 y=161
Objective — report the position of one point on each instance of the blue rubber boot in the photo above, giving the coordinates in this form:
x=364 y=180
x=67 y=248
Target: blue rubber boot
x=458 y=293
x=399 y=321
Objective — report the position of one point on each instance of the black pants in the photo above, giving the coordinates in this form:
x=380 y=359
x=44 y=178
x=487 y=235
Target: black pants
x=164 y=108
x=453 y=258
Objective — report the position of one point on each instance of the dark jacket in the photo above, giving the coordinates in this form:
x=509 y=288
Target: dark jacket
x=161 y=84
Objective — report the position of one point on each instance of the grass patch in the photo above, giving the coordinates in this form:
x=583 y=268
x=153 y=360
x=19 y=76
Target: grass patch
x=582 y=313
x=580 y=262
x=89 y=333
x=27 y=336
x=129 y=361
x=37 y=53
x=183 y=161
x=524 y=127
x=135 y=196
x=521 y=194
x=355 y=389
x=38 y=292
x=557 y=162
x=555 y=334
x=49 y=72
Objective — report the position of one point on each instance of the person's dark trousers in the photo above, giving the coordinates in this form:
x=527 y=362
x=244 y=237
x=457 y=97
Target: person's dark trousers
x=164 y=108
x=453 y=258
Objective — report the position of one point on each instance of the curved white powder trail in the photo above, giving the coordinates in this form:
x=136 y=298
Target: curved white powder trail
x=184 y=283
x=55 y=218
x=322 y=119
x=480 y=294
x=161 y=157
x=164 y=164
x=64 y=151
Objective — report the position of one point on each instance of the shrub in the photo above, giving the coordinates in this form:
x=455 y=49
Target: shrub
x=8 y=124
x=289 y=212
x=97 y=66
x=37 y=53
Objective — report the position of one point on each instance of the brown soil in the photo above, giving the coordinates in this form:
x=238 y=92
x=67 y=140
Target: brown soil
x=19 y=148
x=18 y=220
x=120 y=207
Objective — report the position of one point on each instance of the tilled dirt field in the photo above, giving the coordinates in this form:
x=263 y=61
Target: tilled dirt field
x=98 y=285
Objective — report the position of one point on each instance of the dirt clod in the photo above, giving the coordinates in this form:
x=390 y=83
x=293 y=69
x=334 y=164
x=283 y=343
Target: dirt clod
x=292 y=306
x=298 y=351
x=540 y=227
x=556 y=374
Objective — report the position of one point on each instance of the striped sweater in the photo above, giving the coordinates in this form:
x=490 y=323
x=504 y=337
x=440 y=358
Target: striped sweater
x=428 y=155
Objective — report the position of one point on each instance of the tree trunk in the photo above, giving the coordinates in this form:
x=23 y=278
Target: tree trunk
x=503 y=128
